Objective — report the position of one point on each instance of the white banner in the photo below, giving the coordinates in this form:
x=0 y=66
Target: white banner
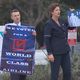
x=2 y=28
x=72 y=37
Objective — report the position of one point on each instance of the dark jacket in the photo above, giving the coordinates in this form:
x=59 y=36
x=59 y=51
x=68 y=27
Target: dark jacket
x=55 y=37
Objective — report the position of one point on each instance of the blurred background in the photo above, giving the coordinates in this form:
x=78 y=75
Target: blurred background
x=35 y=12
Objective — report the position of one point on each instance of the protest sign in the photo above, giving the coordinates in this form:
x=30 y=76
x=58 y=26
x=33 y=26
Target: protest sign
x=72 y=37
x=74 y=18
x=18 y=50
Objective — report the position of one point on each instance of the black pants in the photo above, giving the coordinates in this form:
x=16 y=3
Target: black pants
x=62 y=60
x=15 y=76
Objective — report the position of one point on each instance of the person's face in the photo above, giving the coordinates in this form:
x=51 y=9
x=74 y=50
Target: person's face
x=15 y=16
x=56 y=12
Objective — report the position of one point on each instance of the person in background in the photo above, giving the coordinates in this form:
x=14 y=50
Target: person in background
x=55 y=37
x=16 y=18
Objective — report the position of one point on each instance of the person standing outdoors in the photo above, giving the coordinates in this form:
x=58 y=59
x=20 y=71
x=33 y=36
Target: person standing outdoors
x=55 y=37
x=16 y=18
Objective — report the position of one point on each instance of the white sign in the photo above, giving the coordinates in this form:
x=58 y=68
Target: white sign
x=72 y=37
x=2 y=28
x=41 y=57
